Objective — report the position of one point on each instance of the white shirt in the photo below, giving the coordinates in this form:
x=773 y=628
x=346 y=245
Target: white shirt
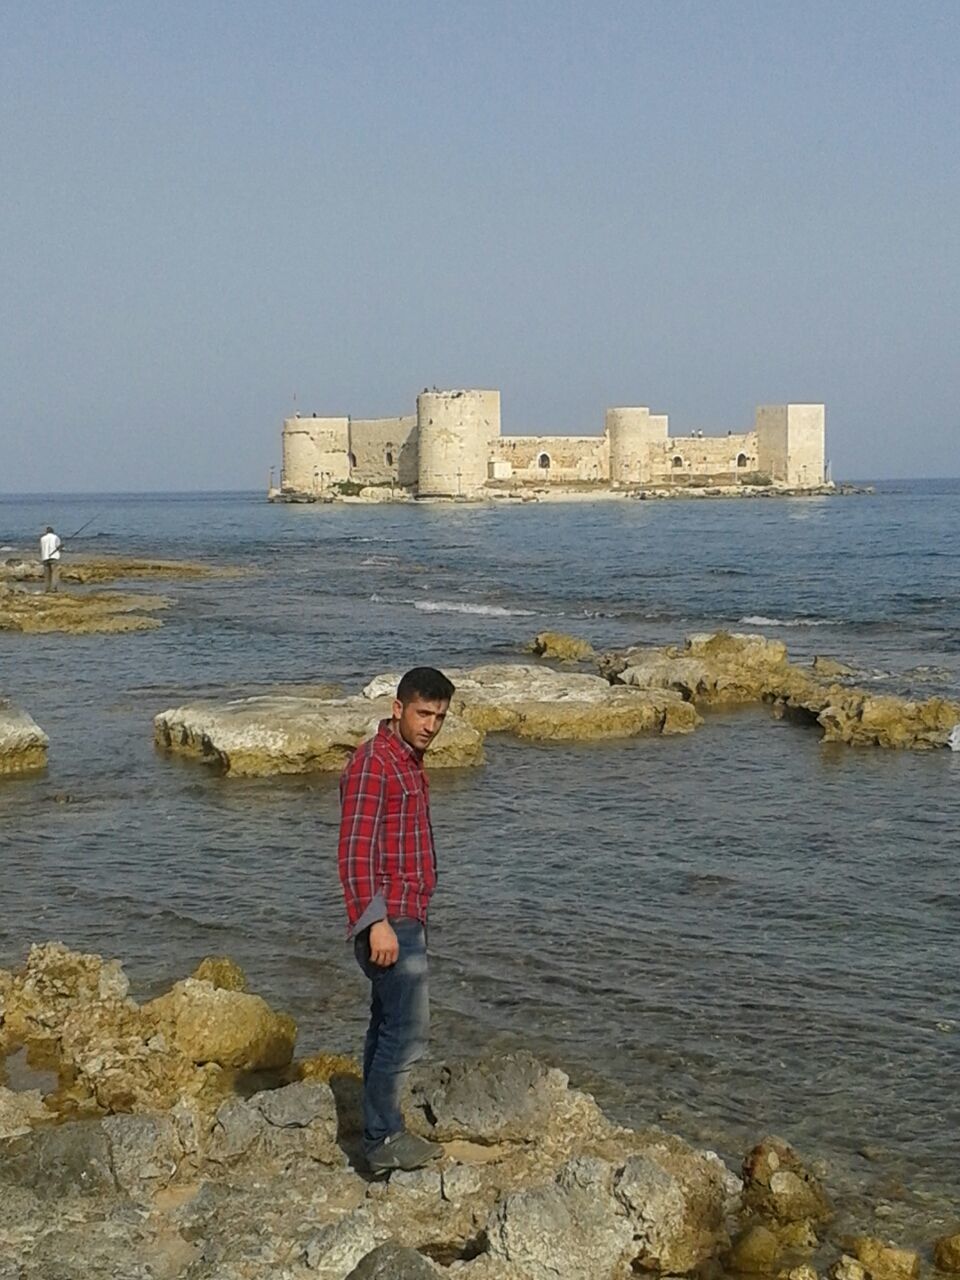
x=50 y=547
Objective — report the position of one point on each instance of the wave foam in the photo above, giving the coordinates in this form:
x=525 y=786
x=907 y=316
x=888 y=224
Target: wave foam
x=484 y=610
x=758 y=620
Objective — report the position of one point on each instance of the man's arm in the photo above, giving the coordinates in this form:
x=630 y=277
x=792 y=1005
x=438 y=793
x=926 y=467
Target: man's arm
x=363 y=791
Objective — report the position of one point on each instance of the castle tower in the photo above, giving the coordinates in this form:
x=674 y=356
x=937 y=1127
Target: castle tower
x=631 y=431
x=315 y=453
x=791 y=443
x=454 y=431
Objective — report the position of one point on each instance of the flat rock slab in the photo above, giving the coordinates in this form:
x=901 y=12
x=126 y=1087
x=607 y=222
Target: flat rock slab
x=23 y=744
x=260 y=736
x=729 y=669
x=86 y=614
x=88 y=569
x=271 y=735
x=536 y=702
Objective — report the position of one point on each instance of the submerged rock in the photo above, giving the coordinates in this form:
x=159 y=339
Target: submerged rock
x=884 y=1261
x=778 y=1186
x=23 y=744
x=946 y=1253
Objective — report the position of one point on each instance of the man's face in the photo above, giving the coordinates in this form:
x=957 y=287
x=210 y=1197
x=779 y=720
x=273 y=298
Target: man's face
x=419 y=722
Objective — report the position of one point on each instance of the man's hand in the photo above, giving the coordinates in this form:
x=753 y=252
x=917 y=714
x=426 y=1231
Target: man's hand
x=384 y=947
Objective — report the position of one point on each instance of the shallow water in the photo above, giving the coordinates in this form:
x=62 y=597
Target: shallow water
x=735 y=932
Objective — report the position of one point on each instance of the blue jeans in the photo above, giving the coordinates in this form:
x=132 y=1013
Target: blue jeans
x=399 y=1027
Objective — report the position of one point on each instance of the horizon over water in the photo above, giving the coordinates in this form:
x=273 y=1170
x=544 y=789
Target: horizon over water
x=731 y=933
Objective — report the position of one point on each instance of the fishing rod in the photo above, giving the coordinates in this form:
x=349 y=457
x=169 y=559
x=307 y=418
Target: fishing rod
x=70 y=536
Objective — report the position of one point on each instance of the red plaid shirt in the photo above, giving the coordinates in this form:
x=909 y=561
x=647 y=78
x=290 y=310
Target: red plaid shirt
x=386 y=858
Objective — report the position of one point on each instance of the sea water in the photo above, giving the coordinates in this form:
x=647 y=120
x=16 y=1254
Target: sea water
x=730 y=933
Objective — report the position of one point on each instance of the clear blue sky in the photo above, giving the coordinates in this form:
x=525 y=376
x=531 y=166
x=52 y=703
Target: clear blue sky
x=700 y=205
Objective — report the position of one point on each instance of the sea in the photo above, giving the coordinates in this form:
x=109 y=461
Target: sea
x=733 y=933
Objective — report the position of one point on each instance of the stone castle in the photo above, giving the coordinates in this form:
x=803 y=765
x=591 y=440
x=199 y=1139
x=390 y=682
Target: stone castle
x=452 y=447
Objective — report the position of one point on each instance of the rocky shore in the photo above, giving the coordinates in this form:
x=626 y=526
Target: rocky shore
x=638 y=690
x=181 y=1138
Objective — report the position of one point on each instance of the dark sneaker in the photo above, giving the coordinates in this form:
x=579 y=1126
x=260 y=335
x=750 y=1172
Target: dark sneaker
x=403 y=1151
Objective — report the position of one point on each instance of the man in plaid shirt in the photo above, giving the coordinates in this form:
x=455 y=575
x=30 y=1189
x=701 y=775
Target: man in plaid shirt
x=388 y=870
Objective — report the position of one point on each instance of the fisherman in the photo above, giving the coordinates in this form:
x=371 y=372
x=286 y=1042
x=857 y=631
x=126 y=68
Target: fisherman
x=50 y=546
x=388 y=872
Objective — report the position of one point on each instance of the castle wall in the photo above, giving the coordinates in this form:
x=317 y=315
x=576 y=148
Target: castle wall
x=384 y=450
x=456 y=430
x=314 y=453
x=453 y=447
x=683 y=458
x=568 y=458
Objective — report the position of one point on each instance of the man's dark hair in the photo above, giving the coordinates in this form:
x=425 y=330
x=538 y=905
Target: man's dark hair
x=424 y=682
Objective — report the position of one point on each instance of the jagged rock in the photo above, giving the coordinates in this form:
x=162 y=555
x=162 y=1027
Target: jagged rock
x=510 y=1096
x=23 y=744
x=54 y=982
x=777 y=1186
x=277 y=735
x=561 y=647
x=460 y=1181
x=338 y=1247
x=222 y=972
x=755 y=1251
x=884 y=1261
x=847 y=1268
x=803 y=1272
x=392 y=1261
x=60 y=1160
x=296 y=1121
x=797 y=1235
x=946 y=1253
x=229 y=1028
x=144 y=1152
x=19 y=1109
x=677 y=1199
x=119 y=1058
x=570 y=1228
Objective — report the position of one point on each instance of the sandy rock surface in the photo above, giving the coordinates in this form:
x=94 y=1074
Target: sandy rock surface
x=23 y=744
